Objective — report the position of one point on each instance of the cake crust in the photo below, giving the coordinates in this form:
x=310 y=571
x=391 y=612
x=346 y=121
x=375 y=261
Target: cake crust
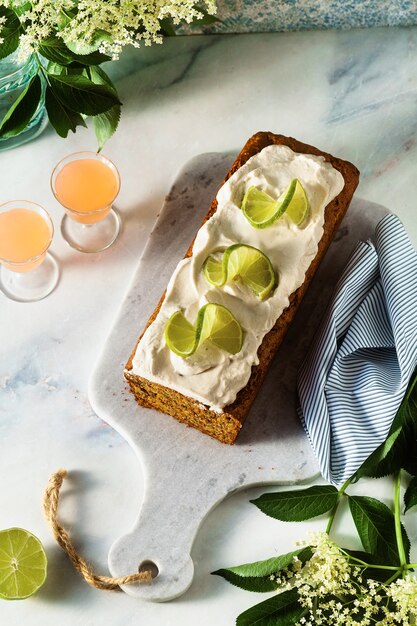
x=225 y=426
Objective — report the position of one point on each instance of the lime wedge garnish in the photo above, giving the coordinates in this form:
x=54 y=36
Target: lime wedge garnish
x=299 y=206
x=23 y=564
x=245 y=263
x=214 y=323
x=214 y=272
x=261 y=210
x=220 y=326
x=180 y=335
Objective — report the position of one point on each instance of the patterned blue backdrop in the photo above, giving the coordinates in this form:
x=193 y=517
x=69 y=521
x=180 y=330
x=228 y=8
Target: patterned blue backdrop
x=276 y=15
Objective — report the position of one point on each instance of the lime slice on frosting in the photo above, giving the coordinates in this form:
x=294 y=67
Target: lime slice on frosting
x=245 y=263
x=215 y=323
x=261 y=210
x=214 y=272
x=23 y=564
x=220 y=326
x=299 y=207
x=180 y=335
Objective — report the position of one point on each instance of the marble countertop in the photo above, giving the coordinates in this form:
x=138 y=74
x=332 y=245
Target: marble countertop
x=352 y=93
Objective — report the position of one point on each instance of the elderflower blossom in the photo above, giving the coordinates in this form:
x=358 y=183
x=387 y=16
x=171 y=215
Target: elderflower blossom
x=328 y=571
x=404 y=593
x=113 y=24
x=2 y=21
x=334 y=592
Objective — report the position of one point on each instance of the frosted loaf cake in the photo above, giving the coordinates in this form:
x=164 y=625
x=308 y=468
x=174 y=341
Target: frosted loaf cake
x=213 y=390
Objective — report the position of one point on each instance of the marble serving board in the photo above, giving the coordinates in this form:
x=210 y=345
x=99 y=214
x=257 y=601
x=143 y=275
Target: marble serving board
x=187 y=473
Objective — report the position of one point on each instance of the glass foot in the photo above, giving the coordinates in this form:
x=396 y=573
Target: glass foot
x=91 y=237
x=30 y=286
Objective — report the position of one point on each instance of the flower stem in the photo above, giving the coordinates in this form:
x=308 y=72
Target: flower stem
x=397 y=516
x=392 y=568
x=336 y=506
x=365 y=564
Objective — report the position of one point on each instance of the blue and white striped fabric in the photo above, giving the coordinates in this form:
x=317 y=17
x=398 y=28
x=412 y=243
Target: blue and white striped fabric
x=358 y=368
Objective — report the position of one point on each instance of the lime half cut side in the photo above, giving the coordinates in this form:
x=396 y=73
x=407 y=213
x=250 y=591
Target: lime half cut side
x=244 y=263
x=261 y=210
x=215 y=323
x=180 y=335
x=299 y=207
x=213 y=271
x=23 y=564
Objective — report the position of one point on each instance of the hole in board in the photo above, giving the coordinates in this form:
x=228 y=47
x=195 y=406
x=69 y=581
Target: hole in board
x=149 y=566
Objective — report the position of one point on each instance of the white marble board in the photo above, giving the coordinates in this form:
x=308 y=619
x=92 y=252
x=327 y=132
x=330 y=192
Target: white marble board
x=187 y=473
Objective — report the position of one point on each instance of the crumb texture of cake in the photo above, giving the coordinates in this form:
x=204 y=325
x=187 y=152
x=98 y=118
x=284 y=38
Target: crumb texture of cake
x=213 y=390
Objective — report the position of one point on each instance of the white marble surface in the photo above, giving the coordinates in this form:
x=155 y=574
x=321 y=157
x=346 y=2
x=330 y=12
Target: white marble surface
x=351 y=93
x=186 y=474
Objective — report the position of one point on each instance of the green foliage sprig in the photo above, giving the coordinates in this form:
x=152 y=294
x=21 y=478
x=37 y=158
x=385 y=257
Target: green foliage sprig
x=73 y=85
x=325 y=584
x=68 y=45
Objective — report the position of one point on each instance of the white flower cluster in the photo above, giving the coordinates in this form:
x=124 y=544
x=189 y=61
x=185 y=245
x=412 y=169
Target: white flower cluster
x=334 y=592
x=113 y=24
x=404 y=593
x=2 y=21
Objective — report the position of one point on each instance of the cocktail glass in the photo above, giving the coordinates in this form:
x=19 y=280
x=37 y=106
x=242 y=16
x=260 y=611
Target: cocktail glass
x=86 y=185
x=28 y=271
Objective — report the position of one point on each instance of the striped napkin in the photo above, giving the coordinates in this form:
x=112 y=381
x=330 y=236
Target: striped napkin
x=357 y=370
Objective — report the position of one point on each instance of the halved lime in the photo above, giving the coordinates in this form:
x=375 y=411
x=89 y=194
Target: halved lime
x=215 y=323
x=245 y=263
x=299 y=206
x=261 y=210
x=23 y=564
x=180 y=335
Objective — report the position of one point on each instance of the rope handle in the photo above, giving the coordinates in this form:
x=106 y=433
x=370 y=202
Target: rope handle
x=50 y=508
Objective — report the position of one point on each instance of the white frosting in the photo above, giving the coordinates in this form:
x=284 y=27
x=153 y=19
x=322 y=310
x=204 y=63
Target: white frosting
x=212 y=376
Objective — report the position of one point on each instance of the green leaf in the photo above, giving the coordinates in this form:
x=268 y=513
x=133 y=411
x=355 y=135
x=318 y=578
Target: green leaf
x=82 y=49
x=296 y=506
x=375 y=524
x=282 y=609
x=82 y=95
x=64 y=18
x=93 y=58
x=22 y=110
x=21 y=7
x=9 y=32
x=62 y=119
x=256 y=576
x=260 y=584
x=99 y=77
x=55 y=50
x=167 y=28
x=399 y=451
x=105 y=125
x=410 y=496
x=379 y=462
x=409 y=434
x=56 y=68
